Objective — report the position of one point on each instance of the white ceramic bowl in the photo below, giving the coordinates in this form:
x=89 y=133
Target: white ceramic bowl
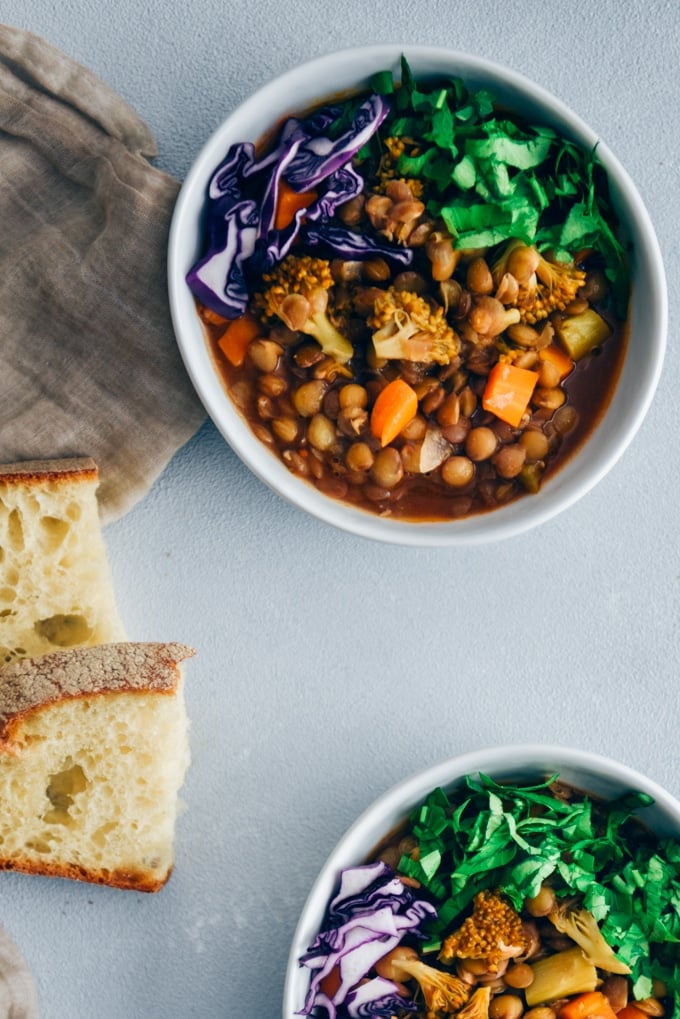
x=293 y=93
x=599 y=776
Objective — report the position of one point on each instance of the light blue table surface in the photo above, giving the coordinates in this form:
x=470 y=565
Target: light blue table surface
x=330 y=667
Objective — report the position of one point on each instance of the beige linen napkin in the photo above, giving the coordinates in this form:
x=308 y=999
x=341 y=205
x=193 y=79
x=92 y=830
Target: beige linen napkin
x=18 y=997
x=89 y=364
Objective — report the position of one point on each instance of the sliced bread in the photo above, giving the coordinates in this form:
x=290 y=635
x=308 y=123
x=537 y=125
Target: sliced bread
x=93 y=752
x=56 y=588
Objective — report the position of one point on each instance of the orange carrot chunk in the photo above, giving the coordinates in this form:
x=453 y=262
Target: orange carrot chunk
x=330 y=984
x=211 y=317
x=235 y=339
x=508 y=391
x=289 y=202
x=557 y=357
x=589 y=1005
x=394 y=407
x=630 y=1011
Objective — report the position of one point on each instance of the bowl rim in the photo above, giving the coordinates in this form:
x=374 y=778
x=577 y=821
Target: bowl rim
x=377 y=819
x=572 y=480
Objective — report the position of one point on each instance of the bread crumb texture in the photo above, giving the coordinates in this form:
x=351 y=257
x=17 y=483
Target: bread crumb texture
x=56 y=588
x=93 y=752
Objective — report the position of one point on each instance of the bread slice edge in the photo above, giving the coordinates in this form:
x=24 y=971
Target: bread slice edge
x=29 y=684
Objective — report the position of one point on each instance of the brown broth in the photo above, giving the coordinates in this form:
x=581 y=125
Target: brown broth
x=589 y=388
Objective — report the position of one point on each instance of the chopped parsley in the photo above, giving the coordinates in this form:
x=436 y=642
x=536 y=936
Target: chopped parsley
x=487 y=835
x=490 y=176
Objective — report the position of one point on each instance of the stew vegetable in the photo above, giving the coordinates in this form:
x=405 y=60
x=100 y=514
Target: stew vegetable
x=416 y=299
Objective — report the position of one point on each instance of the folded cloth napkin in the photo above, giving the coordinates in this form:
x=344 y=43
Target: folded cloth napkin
x=18 y=996
x=89 y=364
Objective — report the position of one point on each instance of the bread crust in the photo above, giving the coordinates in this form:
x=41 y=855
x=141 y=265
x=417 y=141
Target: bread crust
x=126 y=880
x=36 y=472
x=30 y=684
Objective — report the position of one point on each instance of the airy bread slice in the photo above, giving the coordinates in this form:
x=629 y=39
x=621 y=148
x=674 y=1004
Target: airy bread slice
x=93 y=752
x=56 y=588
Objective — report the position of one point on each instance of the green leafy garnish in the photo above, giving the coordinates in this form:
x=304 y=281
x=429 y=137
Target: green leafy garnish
x=492 y=177
x=383 y=83
x=488 y=835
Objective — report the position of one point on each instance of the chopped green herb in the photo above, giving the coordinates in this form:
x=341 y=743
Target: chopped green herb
x=383 y=83
x=492 y=178
x=488 y=835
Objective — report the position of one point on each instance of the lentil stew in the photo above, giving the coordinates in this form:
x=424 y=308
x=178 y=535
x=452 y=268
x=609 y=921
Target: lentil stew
x=506 y=345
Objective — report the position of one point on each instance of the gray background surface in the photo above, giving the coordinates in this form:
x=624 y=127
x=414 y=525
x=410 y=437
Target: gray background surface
x=330 y=667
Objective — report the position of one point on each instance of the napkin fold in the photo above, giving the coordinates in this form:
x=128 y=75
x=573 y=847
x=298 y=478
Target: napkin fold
x=18 y=995
x=89 y=363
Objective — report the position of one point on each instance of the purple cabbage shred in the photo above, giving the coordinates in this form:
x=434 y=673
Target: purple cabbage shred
x=376 y=997
x=242 y=196
x=369 y=916
x=341 y=242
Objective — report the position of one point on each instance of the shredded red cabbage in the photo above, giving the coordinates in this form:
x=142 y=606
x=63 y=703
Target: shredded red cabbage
x=374 y=998
x=368 y=917
x=319 y=157
x=219 y=279
x=345 y=243
x=343 y=184
x=242 y=195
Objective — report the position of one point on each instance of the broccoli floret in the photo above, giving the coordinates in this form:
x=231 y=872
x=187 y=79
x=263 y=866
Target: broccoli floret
x=405 y=327
x=543 y=286
x=580 y=925
x=492 y=932
x=443 y=993
x=297 y=293
x=478 y=1005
